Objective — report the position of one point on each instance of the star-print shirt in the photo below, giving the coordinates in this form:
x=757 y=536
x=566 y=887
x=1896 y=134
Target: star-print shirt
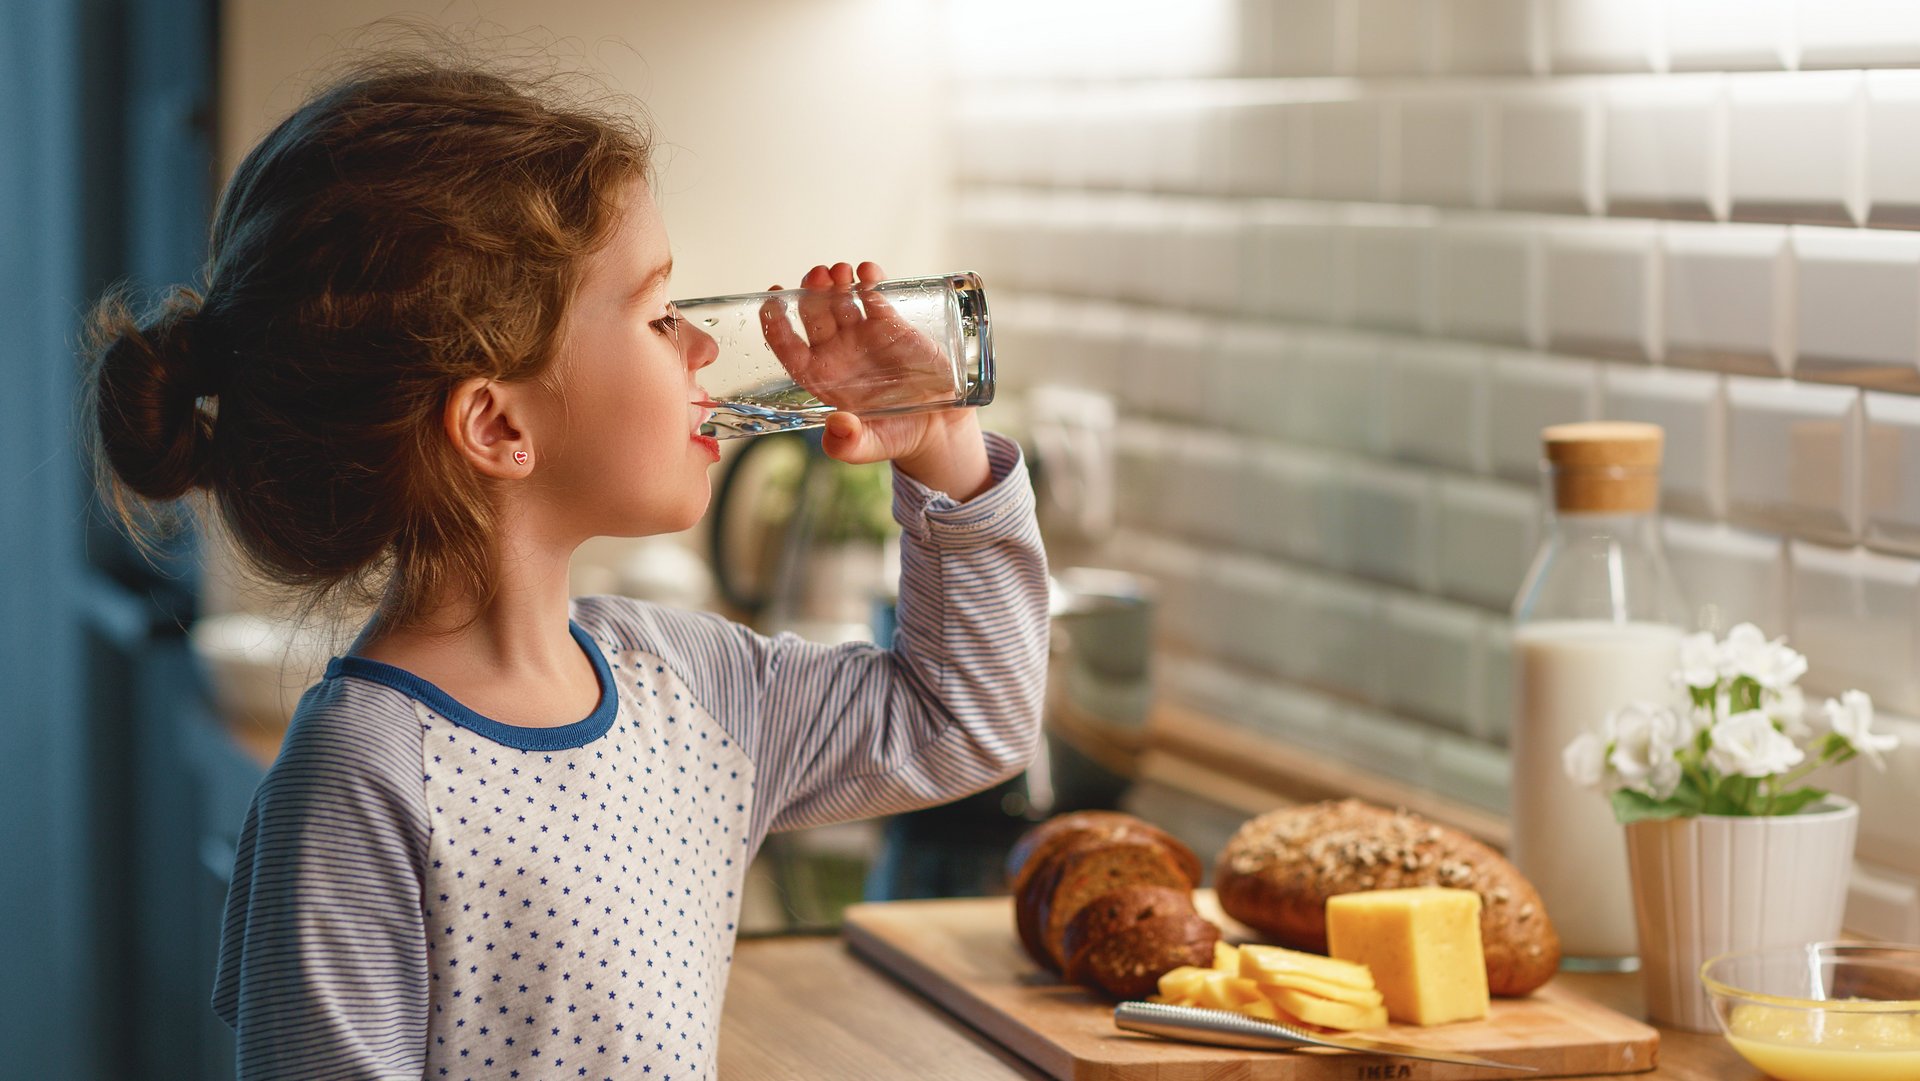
x=423 y=892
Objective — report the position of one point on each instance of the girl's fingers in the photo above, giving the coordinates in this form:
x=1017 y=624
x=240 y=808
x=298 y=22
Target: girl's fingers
x=847 y=439
x=816 y=314
x=846 y=310
x=781 y=338
x=876 y=305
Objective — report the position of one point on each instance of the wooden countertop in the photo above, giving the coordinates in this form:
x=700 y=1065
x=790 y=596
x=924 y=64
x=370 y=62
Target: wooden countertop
x=804 y=1007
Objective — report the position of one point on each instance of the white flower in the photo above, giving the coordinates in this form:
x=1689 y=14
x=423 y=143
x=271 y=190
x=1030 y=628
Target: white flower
x=1749 y=745
x=1645 y=739
x=1788 y=708
x=1851 y=718
x=1699 y=661
x=1746 y=652
x=1585 y=760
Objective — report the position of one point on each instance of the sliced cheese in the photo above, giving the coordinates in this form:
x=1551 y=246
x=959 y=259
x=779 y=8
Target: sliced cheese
x=1266 y=963
x=1313 y=986
x=1182 y=984
x=1228 y=992
x=1422 y=946
x=1262 y=1009
x=1326 y=1013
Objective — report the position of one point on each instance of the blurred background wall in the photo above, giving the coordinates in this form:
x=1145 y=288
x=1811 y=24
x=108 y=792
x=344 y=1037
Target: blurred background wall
x=1333 y=262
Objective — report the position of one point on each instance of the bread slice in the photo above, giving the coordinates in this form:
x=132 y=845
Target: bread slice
x=1078 y=877
x=1129 y=964
x=1106 y=825
x=1117 y=912
x=1038 y=849
x=1029 y=843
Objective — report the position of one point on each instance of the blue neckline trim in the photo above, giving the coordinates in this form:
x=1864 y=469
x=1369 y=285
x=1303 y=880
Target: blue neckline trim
x=579 y=733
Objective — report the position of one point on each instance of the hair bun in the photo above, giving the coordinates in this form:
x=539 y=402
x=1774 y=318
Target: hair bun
x=148 y=383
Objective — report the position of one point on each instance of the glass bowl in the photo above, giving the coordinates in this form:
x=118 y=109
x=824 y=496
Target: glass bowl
x=1826 y=1011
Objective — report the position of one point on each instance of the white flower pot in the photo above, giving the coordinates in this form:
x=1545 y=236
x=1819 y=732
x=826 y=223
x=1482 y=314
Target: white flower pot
x=1706 y=885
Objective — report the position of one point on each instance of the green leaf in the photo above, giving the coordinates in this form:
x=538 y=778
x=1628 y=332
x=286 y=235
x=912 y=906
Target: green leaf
x=1734 y=796
x=1688 y=797
x=1792 y=802
x=1744 y=695
x=1630 y=806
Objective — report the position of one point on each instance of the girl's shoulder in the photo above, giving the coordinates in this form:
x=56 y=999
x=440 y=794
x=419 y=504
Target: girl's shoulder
x=704 y=651
x=349 y=778
x=346 y=725
x=627 y=624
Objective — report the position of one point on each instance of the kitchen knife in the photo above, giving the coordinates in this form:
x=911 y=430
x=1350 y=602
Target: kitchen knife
x=1198 y=1025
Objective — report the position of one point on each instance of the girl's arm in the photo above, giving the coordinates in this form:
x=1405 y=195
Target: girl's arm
x=323 y=969
x=851 y=731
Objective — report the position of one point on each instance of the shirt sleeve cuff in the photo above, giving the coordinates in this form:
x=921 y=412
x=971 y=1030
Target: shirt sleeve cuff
x=1007 y=502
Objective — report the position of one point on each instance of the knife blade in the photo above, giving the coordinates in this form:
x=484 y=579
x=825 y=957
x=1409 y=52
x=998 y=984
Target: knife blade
x=1197 y=1024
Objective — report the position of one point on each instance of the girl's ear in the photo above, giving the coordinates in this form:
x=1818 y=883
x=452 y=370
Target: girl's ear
x=483 y=424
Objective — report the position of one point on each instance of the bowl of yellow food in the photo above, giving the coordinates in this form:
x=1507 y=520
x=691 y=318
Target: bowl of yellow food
x=1825 y=1011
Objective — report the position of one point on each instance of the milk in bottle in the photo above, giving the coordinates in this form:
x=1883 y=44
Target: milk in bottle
x=1597 y=624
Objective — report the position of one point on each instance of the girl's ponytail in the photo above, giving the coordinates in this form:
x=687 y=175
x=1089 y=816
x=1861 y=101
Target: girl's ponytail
x=154 y=396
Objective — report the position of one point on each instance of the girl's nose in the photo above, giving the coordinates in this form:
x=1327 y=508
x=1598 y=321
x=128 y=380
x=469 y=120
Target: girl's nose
x=698 y=347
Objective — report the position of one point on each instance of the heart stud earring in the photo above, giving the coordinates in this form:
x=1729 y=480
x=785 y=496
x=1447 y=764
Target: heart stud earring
x=520 y=457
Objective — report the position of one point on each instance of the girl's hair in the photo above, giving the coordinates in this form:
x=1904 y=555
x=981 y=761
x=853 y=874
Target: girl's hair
x=412 y=225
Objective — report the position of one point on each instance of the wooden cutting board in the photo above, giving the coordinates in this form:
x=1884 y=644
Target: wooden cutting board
x=964 y=955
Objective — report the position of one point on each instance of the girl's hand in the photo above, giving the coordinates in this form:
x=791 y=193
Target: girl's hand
x=867 y=359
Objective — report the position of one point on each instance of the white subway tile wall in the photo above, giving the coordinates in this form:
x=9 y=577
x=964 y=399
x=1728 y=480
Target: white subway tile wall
x=1857 y=306
x=1548 y=146
x=1893 y=148
x=1818 y=116
x=1444 y=138
x=1689 y=407
x=1603 y=292
x=1890 y=491
x=1727 y=35
x=1339 y=261
x=1792 y=459
x=1726 y=297
x=1666 y=146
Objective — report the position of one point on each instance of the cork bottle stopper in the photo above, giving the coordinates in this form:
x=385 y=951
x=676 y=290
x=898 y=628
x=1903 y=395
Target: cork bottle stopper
x=1605 y=467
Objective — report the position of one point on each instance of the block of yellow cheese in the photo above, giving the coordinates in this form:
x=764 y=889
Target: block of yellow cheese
x=1422 y=945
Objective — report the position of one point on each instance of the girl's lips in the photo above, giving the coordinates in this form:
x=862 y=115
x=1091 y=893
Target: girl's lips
x=701 y=414
x=709 y=444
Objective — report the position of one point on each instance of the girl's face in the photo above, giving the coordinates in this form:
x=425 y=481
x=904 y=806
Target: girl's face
x=628 y=459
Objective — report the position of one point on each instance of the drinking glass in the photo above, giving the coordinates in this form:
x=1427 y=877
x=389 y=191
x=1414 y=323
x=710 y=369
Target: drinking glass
x=786 y=358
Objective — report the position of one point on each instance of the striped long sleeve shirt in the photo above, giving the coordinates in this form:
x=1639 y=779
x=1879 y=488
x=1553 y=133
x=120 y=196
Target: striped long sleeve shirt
x=424 y=892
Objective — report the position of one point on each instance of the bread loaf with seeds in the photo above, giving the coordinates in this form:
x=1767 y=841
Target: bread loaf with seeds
x=1277 y=872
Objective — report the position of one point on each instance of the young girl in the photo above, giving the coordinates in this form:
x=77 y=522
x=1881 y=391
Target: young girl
x=506 y=834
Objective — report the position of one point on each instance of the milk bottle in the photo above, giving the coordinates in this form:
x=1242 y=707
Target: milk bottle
x=1597 y=624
